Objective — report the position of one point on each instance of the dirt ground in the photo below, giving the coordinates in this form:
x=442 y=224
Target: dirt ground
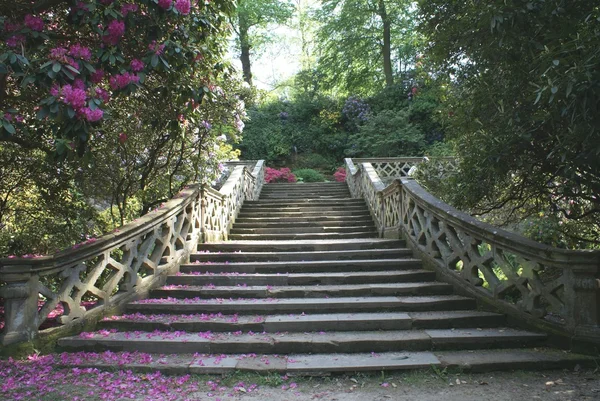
x=38 y=378
x=436 y=386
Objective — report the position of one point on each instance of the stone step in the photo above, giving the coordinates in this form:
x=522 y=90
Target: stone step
x=302 y=245
x=305 y=196
x=320 y=364
x=366 y=254
x=304 y=209
x=304 y=225
x=305 y=185
x=318 y=342
x=306 y=202
x=299 y=220
x=305 y=323
x=303 y=189
x=306 y=266
x=276 y=213
x=306 y=305
x=235 y=278
x=304 y=230
x=301 y=291
x=357 y=234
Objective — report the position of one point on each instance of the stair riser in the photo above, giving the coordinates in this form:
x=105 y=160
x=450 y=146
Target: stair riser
x=291 y=292
x=282 y=256
x=282 y=346
x=308 y=267
x=306 y=202
x=305 y=280
x=287 y=221
x=337 y=214
x=307 y=326
x=303 y=224
x=274 y=307
x=324 y=210
x=304 y=230
x=267 y=237
x=300 y=247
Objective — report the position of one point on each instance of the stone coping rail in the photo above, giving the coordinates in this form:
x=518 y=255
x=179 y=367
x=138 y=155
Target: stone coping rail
x=553 y=289
x=121 y=266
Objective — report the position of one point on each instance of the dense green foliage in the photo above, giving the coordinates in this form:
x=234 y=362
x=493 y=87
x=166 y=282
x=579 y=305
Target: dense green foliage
x=522 y=106
x=308 y=175
x=319 y=132
x=366 y=45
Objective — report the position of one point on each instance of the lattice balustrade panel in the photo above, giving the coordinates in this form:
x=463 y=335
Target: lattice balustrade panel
x=369 y=192
x=214 y=211
x=526 y=283
x=97 y=280
x=393 y=169
x=391 y=210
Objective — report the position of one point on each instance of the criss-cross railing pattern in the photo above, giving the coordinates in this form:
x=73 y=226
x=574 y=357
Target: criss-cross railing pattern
x=559 y=289
x=85 y=281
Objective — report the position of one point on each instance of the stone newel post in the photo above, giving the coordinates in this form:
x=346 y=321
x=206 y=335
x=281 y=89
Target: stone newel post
x=20 y=307
x=583 y=296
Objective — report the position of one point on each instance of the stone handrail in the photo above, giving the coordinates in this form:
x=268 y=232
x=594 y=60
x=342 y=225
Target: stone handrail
x=123 y=265
x=554 y=289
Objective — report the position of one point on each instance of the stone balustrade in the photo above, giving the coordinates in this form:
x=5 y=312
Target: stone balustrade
x=553 y=289
x=121 y=266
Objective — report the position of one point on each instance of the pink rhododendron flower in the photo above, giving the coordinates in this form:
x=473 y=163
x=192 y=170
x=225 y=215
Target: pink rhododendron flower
x=92 y=115
x=11 y=27
x=79 y=84
x=97 y=76
x=34 y=23
x=102 y=94
x=122 y=80
x=156 y=48
x=81 y=52
x=183 y=6
x=8 y=116
x=58 y=53
x=128 y=8
x=165 y=4
x=15 y=40
x=137 y=65
x=74 y=97
x=114 y=32
x=122 y=137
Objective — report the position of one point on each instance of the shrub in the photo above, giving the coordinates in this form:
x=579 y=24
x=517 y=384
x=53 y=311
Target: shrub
x=340 y=174
x=309 y=175
x=281 y=175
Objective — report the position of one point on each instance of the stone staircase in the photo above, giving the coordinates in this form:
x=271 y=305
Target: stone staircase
x=304 y=285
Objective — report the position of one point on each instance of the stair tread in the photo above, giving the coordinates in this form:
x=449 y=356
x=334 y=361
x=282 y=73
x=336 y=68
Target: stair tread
x=313 y=318
x=316 y=262
x=504 y=359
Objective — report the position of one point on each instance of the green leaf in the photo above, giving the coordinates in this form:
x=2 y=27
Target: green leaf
x=71 y=112
x=154 y=61
x=556 y=62
x=9 y=127
x=56 y=67
x=42 y=113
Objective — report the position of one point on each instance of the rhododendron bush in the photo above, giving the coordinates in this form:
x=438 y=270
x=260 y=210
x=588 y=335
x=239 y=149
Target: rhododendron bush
x=107 y=109
x=282 y=175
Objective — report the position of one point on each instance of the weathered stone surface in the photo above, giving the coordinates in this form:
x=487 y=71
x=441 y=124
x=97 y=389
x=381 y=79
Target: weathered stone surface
x=483 y=338
x=511 y=359
x=299 y=364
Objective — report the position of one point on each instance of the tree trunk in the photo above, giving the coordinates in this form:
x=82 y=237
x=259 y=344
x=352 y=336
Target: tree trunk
x=245 y=49
x=387 y=44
